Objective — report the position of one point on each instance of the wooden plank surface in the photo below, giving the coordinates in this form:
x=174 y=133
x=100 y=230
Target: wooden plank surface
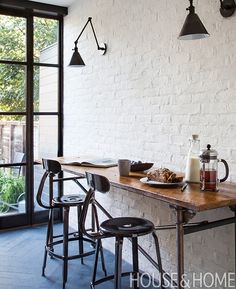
x=192 y=198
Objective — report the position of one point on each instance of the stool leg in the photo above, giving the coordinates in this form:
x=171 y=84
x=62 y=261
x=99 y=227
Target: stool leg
x=95 y=217
x=49 y=229
x=118 y=262
x=80 y=235
x=135 y=262
x=94 y=220
x=158 y=257
x=51 y=232
x=65 y=243
x=98 y=244
x=103 y=260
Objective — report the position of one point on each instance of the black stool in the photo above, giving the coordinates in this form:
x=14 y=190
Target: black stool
x=53 y=168
x=120 y=228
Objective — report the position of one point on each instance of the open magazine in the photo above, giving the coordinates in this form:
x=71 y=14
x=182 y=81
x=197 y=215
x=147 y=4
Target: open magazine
x=93 y=162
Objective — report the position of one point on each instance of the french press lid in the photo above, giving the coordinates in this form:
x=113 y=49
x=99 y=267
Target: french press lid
x=208 y=154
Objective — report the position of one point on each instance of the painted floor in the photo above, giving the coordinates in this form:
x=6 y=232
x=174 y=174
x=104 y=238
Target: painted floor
x=21 y=255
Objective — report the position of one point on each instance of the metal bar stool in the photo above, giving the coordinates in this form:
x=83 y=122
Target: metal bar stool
x=120 y=228
x=65 y=202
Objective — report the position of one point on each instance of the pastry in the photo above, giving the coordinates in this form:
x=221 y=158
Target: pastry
x=164 y=175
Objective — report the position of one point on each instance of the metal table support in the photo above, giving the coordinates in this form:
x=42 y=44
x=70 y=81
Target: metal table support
x=182 y=228
x=233 y=208
x=180 y=245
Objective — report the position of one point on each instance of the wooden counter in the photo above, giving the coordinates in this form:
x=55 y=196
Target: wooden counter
x=192 y=198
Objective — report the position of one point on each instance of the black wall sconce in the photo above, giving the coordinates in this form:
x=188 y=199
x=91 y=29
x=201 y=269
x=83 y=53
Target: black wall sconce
x=76 y=59
x=193 y=27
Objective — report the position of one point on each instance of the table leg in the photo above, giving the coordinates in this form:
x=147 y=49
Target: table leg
x=180 y=246
x=233 y=209
x=235 y=244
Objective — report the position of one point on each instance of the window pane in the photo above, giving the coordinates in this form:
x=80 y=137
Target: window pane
x=45 y=137
x=45 y=40
x=12 y=150
x=12 y=38
x=12 y=88
x=13 y=139
x=12 y=191
x=45 y=89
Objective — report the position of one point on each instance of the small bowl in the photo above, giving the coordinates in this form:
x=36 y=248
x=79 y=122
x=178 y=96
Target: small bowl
x=140 y=167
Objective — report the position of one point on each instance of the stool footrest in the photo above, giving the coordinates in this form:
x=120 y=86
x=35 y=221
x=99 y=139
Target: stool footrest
x=50 y=249
x=71 y=257
x=109 y=277
x=71 y=239
x=61 y=235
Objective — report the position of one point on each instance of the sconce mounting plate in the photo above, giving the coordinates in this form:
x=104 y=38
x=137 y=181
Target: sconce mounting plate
x=104 y=48
x=227 y=8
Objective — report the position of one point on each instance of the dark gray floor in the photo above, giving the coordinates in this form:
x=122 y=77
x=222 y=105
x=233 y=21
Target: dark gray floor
x=21 y=253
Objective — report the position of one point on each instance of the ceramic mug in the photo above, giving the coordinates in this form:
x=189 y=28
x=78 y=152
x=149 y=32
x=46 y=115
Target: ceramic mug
x=124 y=167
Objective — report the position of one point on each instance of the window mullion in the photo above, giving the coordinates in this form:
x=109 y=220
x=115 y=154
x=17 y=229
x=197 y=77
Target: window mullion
x=30 y=119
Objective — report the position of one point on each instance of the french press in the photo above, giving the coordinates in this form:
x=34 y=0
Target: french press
x=209 y=169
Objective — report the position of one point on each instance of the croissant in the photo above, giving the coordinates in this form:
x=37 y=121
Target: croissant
x=164 y=175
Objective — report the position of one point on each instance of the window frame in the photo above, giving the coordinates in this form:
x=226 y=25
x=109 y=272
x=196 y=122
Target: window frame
x=29 y=10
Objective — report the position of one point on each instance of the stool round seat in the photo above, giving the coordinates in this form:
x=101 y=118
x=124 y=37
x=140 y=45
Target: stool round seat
x=127 y=226
x=68 y=200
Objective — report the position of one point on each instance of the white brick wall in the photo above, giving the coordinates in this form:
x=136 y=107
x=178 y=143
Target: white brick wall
x=148 y=94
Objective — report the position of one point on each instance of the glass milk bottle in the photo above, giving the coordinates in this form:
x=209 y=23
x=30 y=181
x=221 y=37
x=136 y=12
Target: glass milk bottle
x=192 y=172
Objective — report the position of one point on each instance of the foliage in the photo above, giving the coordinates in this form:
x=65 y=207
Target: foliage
x=13 y=48
x=11 y=187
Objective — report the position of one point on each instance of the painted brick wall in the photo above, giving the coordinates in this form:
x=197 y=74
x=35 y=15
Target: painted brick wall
x=147 y=95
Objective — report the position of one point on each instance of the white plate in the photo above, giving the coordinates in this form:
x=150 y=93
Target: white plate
x=159 y=184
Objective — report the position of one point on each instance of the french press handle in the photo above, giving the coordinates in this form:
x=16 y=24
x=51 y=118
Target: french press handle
x=226 y=170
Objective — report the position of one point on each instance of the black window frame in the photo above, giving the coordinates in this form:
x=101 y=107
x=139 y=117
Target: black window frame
x=29 y=10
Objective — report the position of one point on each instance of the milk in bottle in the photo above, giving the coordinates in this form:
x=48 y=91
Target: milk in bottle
x=192 y=172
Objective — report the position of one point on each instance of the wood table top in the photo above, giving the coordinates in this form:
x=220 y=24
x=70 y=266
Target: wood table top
x=192 y=198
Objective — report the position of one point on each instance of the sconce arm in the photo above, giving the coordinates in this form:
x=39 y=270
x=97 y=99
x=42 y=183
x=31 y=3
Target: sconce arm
x=90 y=21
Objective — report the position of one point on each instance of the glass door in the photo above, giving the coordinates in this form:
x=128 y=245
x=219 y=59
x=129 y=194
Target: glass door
x=46 y=104
x=30 y=111
x=13 y=71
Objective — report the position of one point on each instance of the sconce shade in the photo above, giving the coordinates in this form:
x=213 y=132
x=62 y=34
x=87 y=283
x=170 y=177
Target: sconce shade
x=76 y=59
x=193 y=27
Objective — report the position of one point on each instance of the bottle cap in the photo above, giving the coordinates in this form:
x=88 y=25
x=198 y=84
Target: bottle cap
x=194 y=136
